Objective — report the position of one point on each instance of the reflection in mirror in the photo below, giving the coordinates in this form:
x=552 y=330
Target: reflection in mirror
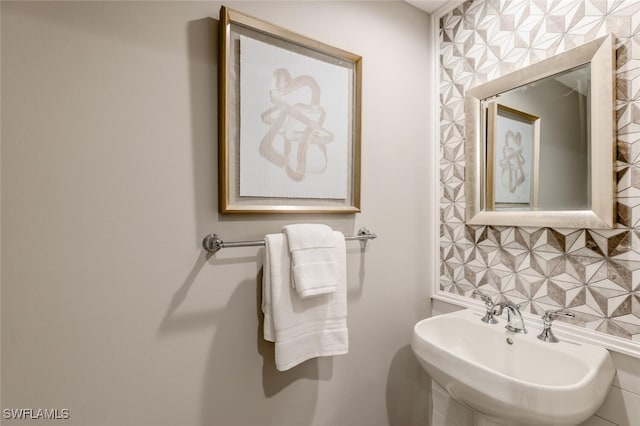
x=540 y=143
x=542 y=123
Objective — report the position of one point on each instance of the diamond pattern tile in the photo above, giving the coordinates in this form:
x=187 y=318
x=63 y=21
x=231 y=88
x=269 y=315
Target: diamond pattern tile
x=594 y=273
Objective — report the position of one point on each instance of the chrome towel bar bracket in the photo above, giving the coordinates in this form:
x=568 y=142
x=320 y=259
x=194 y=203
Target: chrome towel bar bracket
x=213 y=243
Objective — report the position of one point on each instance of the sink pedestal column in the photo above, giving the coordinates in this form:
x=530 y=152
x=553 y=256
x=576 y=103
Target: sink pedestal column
x=483 y=420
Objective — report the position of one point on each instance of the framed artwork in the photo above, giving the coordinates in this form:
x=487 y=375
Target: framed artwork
x=513 y=152
x=289 y=121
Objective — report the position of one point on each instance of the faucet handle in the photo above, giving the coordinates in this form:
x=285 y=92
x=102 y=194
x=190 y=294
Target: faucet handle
x=483 y=296
x=547 y=319
x=550 y=315
x=489 y=317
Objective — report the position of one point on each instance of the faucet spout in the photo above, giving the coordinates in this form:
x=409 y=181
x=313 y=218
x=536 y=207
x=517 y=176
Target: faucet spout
x=515 y=322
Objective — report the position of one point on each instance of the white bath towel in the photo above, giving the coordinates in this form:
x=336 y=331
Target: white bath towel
x=301 y=328
x=313 y=258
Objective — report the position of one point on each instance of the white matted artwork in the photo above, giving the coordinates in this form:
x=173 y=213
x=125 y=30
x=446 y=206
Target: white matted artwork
x=294 y=131
x=513 y=152
x=289 y=121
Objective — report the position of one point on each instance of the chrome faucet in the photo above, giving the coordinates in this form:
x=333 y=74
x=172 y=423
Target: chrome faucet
x=547 y=320
x=515 y=322
x=489 y=315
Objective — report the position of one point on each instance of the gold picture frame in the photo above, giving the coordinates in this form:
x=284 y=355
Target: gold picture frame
x=289 y=121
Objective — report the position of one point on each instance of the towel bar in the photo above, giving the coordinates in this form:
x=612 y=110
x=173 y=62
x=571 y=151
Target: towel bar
x=213 y=243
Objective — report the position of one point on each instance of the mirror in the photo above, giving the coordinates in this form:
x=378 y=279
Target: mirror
x=540 y=143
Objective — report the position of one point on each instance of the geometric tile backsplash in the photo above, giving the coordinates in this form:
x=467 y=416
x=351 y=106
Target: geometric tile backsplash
x=594 y=273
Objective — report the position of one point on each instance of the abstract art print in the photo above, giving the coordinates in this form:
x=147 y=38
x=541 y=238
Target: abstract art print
x=289 y=121
x=512 y=152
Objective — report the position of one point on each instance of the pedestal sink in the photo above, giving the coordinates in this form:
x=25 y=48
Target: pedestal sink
x=511 y=376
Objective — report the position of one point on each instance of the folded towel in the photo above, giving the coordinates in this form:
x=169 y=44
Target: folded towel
x=302 y=328
x=313 y=258
x=308 y=236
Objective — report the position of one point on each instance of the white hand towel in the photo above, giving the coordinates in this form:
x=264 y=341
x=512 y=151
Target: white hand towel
x=302 y=236
x=302 y=328
x=313 y=258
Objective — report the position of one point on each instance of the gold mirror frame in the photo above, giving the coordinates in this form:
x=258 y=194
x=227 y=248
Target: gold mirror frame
x=600 y=53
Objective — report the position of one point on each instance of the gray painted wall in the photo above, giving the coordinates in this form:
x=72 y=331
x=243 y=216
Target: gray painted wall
x=109 y=183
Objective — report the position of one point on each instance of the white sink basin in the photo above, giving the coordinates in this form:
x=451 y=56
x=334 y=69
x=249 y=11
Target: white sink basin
x=528 y=382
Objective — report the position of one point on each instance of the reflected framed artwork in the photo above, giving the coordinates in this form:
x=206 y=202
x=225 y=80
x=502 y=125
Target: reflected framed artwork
x=289 y=121
x=513 y=151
